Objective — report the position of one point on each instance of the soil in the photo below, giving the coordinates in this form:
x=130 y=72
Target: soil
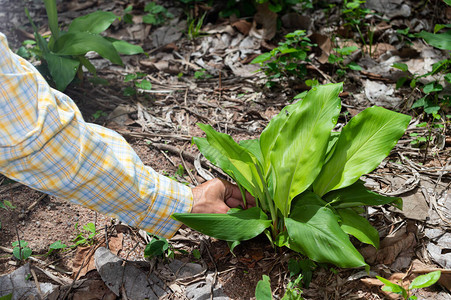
x=238 y=106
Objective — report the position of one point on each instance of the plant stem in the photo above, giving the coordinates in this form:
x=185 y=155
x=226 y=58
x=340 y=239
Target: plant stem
x=267 y=197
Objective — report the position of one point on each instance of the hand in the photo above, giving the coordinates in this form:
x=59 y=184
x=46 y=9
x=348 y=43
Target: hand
x=218 y=196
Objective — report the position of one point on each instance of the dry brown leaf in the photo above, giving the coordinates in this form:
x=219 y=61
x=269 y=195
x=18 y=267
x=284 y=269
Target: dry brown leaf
x=268 y=21
x=389 y=250
x=324 y=44
x=242 y=26
x=84 y=259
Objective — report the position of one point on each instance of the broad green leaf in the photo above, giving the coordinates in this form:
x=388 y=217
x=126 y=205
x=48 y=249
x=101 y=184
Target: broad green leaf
x=316 y=231
x=425 y=280
x=333 y=138
x=79 y=43
x=392 y=287
x=236 y=226
x=62 y=69
x=354 y=66
x=253 y=146
x=300 y=145
x=357 y=195
x=95 y=22
x=52 y=15
x=239 y=157
x=354 y=224
x=57 y=245
x=156 y=248
x=144 y=84
x=262 y=58
x=401 y=66
x=263 y=289
x=126 y=48
x=363 y=143
x=438 y=40
x=274 y=128
x=220 y=160
x=447 y=2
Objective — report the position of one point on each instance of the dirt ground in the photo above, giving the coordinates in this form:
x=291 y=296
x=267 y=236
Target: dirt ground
x=240 y=106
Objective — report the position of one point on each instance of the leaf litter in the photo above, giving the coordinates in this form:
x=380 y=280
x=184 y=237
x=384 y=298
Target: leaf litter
x=165 y=118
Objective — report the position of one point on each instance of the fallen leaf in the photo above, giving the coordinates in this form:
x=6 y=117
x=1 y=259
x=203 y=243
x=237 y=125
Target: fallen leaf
x=268 y=21
x=242 y=26
x=389 y=250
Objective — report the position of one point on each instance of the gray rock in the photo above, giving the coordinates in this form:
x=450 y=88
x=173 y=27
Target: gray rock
x=17 y=284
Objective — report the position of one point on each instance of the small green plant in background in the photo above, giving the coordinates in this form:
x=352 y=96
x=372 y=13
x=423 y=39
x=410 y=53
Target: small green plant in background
x=434 y=101
x=138 y=83
x=421 y=281
x=305 y=178
x=202 y=74
x=158 y=247
x=338 y=58
x=21 y=251
x=85 y=236
x=194 y=26
x=56 y=246
x=156 y=14
x=287 y=59
x=293 y=290
x=63 y=54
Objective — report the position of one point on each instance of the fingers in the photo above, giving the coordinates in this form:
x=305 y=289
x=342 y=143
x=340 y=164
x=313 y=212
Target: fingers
x=232 y=191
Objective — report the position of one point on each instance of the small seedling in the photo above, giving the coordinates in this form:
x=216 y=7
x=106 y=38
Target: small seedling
x=21 y=251
x=287 y=59
x=86 y=237
x=156 y=14
x=158 y=247
x=339 y=57
x=58 y=245
x=292 y=292
x=138 y=83
x=421 y=281
x=202 y=74
x=98 y=114
x=194 y=26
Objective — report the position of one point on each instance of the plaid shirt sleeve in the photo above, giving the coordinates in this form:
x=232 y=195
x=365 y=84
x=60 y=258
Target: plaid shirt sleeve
x=46 y=144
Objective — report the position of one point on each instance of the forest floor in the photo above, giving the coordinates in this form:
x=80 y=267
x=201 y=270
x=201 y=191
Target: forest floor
x=209 y=79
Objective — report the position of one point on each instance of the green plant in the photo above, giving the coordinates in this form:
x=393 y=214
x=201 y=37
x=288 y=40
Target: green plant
x=58 y=245
x=286 y=59
x=421 y=281
x=434 y=99
x=85 y=237
x=138 y=83
x=355 y=15
x=202 y=74
x=21 y=251
x=156 y=14
x=293 y=290
x=305 y=178
x=339 y=57
x=158 y=247
x=63 y=55
x=194 y=26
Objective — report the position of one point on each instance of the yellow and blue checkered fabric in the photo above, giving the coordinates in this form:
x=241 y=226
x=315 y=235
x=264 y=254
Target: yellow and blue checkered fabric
x=46 y=144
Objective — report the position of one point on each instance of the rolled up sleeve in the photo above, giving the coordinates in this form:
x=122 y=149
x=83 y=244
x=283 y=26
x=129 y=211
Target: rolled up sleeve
x=45 y=144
